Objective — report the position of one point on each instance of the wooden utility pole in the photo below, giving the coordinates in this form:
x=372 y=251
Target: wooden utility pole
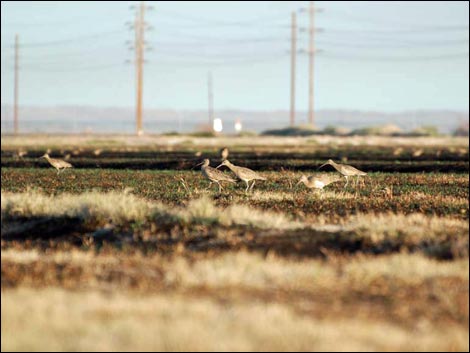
x=292 y=67
x=139 y=62
x=15 y=103
x=210 y=100
x=311 y=49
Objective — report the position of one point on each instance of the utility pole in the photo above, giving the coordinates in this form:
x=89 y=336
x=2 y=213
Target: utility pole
x=139 y=62
x=293 y=70
x=15 y=103
x=311 y=49
x=210 y=100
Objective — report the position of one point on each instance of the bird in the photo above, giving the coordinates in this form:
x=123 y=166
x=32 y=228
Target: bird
x=19 y=154
x=224 y=153
x=242 y=173
x=345 y=170
x=214 y=175
x=397 y=151
x=318 y=182
x=57 y=163
x=418 y=153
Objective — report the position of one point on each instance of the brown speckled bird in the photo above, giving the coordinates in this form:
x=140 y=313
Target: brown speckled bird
x=214 y=175
x=244 y=174
x=57 y=163
x=345 y=170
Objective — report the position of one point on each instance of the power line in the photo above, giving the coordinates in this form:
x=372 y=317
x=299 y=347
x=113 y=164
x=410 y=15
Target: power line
x=346 y=56
x=73 y=68
x=70 y=21
x=68 y=40
x=211 y=38
x=400 y=30
x=218 y=25
x=195 y=50
x=206 y=21
x=228 y=63
x=382 y=21
x=393 y=45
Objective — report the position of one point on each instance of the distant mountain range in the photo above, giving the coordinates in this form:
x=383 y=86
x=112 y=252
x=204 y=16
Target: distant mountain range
x=121 y=120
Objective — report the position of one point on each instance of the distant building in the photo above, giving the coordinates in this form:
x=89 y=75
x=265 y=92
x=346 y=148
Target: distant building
x=218 y=127
x=238 y=126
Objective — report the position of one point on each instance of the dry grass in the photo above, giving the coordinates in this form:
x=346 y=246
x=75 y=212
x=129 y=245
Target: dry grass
x=439 y=237
x=252 y=270
x=114 y=206
x=237 y=302
x=59 y=320
x=124 y=207
x=409 y=228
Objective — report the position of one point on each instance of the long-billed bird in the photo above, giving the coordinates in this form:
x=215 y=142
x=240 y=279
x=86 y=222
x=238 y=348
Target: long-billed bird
x=345 y=170
x=214 y=175
x=243 y=173
x=57 y=163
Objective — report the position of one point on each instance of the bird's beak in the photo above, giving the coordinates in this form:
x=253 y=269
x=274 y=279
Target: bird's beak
x=197 y=165
x=219 y=166
x=298 y=183
x=322 y=165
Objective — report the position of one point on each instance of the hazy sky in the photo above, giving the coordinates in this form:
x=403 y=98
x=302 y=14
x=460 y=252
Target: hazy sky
x=387 y=56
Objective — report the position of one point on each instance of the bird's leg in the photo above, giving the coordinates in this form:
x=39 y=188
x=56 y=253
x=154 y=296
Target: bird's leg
x=251 y=187
x=247 y=186
x=347 y=181
x=58 y=171
x=220 y=187
x=210 y=184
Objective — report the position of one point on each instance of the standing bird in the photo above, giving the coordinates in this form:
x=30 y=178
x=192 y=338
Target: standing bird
x=214 y=175
x=244 y=174
x=224 y=153
x=345 y=170
x=318 y=182
x=57 y=163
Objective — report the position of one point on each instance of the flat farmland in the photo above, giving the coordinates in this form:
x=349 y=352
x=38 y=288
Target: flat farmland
x=131 y=242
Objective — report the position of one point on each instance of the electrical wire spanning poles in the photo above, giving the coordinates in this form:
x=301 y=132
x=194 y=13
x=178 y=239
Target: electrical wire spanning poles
x=139 y=46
